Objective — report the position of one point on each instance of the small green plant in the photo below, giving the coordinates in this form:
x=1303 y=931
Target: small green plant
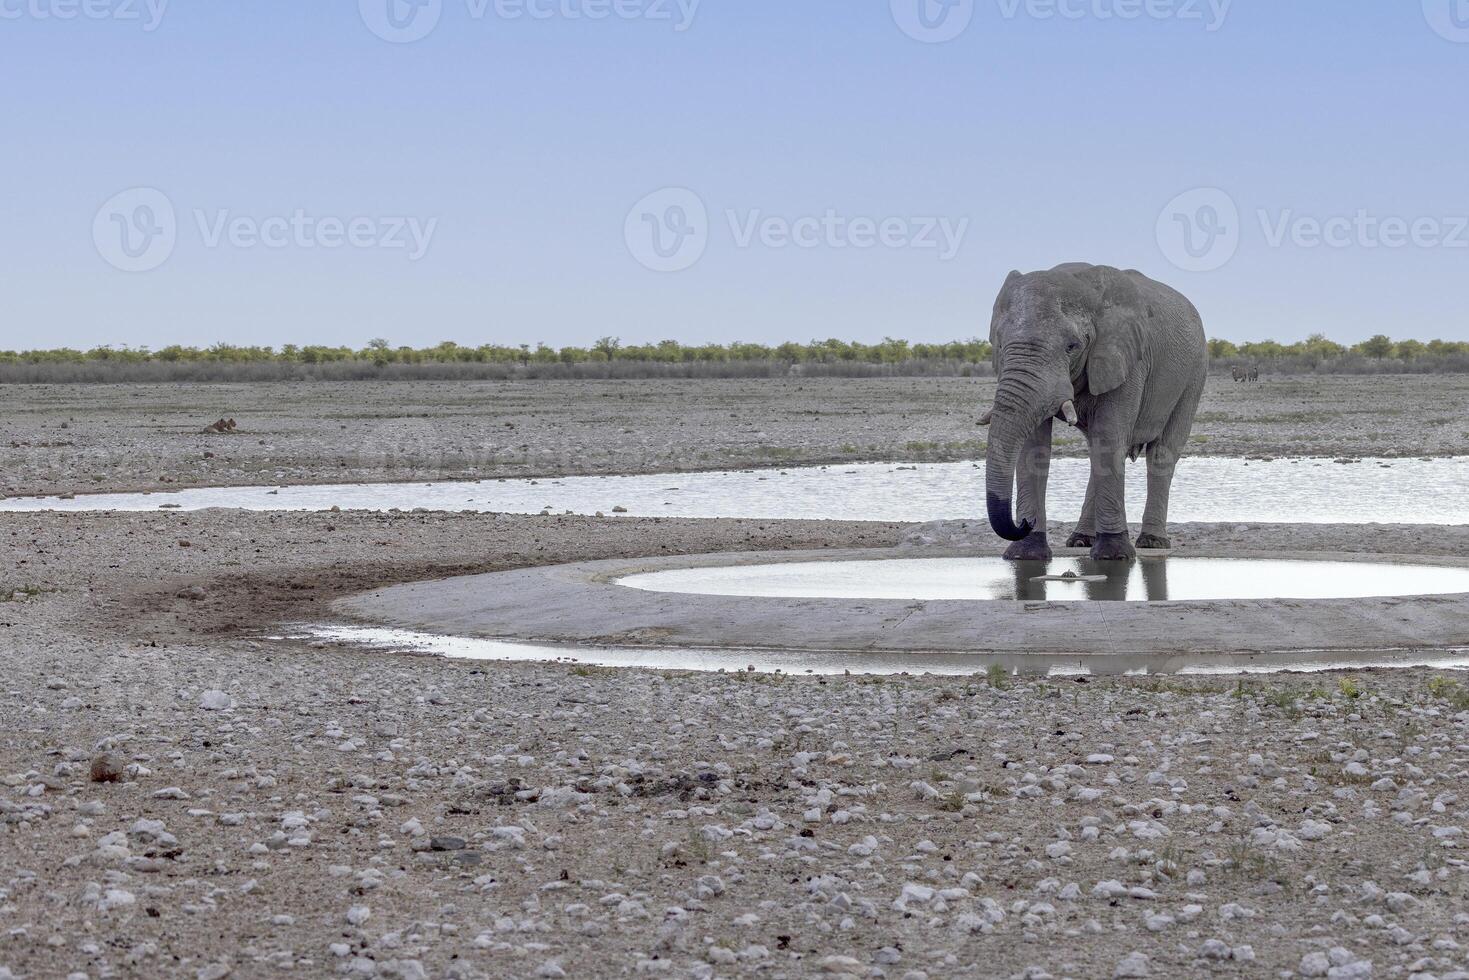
x=998 y=677
x=1237 y=852
x=1449 y=690
x=1170 y=861
x=1284 y=699
x=1349 y=688
x=23 y=592
x=1246 y=860
x=951 y=802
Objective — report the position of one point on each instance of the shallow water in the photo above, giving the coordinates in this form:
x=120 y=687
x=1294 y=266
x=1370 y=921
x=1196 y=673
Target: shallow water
x=839 y=662
x=1311 y=491
x=1149 y=580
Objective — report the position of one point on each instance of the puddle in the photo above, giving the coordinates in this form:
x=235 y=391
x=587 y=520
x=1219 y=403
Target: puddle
x=827 y=663
x=1312 y=491
x=1148 y=580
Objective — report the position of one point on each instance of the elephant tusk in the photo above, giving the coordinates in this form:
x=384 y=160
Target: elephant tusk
x=987 y=417
x=1068 y=411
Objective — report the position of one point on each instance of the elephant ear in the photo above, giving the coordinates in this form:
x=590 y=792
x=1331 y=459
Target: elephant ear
x=1118 y=347
x=1002 y=304
x=1002 y=301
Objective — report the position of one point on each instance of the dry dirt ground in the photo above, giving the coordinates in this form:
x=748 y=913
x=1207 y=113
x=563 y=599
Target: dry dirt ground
x=79 y=438
x=268 y=807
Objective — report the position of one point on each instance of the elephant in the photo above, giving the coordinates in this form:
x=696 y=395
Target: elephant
x=1114 y=353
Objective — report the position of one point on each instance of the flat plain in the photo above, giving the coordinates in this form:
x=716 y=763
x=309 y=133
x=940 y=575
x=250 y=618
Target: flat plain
x=267 y=805
x=88 y=438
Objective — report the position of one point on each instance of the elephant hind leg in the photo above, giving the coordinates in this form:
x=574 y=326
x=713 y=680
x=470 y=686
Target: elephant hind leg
x=1163 y=455
x=1161 y=464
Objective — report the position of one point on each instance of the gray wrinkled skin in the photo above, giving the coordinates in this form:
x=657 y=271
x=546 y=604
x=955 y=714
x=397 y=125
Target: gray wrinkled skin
x=1128 y=355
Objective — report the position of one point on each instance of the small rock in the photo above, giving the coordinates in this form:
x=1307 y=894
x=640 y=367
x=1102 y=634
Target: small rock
x=214 y=700
x=108 y=768
x=1314 y=965
x=1132 y=965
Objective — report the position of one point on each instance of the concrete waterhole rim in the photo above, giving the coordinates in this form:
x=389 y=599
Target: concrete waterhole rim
x=582 y=604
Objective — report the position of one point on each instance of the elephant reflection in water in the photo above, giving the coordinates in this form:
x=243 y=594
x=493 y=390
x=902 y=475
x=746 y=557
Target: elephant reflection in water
x=1118 y=584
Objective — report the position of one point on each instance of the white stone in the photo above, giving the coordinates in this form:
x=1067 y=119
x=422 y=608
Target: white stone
x=215 y=700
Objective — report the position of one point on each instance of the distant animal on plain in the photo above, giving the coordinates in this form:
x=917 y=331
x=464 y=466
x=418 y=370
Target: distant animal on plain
x=1118 y=355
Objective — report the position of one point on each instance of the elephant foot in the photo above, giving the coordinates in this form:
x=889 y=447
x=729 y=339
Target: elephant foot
x=1153 y=542
x=1034 y=547
x=1079 y=540
x=1113 y=547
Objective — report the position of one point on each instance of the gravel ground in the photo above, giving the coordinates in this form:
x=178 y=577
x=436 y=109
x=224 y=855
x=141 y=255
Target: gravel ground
x=76 y=438
x=282 y=807
x=181 y=795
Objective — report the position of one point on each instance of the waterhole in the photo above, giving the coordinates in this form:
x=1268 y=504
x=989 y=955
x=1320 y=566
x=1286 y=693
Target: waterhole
x=1061 y=580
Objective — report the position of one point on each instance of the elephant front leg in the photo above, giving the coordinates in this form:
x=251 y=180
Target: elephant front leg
x=1085 y=534
x=1031 y=473
x=1109 y=483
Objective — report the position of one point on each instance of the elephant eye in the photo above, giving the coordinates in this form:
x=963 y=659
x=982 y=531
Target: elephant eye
x=1073 y=347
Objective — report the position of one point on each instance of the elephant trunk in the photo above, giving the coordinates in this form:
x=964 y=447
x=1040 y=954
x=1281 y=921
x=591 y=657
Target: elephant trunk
x=1015 y=419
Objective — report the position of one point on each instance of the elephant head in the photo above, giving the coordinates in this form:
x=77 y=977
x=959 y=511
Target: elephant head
x=1057 y=336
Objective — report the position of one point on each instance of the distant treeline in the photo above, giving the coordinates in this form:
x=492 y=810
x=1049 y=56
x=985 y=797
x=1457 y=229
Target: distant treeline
x=609 y=358
x=606 y=350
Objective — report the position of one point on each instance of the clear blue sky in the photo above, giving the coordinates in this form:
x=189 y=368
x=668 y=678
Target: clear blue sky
x=518 y=145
